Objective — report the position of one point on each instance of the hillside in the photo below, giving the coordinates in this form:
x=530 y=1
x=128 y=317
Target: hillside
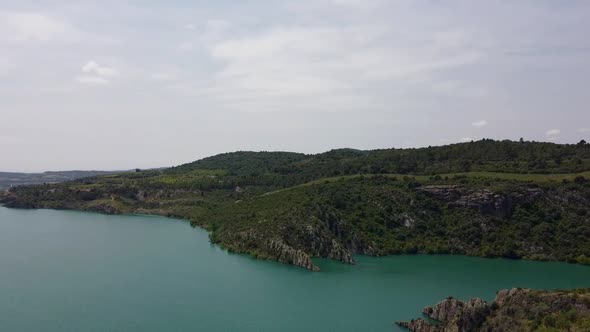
x=487 y=198
x=10 y=179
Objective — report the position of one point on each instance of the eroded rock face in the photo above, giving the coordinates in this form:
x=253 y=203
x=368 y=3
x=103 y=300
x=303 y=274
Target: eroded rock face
x=485 y=201
x=504 y=294
x=512 y=310
x=289 y=255
x=418 y=325
x=456 y=315
x=295 y=245
x=444 y=310
x=453 y=316
x=323 y=244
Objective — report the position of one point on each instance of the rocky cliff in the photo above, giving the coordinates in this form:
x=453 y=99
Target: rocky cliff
x=513 y=309
x=486 y=201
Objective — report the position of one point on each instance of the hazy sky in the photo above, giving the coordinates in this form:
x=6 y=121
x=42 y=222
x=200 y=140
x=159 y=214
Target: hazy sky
x=120 y=84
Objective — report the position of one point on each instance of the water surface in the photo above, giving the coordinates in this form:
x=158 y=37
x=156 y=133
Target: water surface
x=76 y=271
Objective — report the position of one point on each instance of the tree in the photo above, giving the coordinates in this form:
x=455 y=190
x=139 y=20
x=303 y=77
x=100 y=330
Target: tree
x=579 y=179
x=582 y=143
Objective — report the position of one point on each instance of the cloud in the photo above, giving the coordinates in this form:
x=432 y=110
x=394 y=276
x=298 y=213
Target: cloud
x=457 y=89
x=96 y=74
x=466 y=139
x=358 y=73
x=5 y=139
x=92 y=67
x=186 y=46
x=92 y=80
x=5 y=65
x=480 y=123
x=32 y=26
x=162 y=76
x=216 y=25
x=552 y=134
x=333 y=62
x=583 y=130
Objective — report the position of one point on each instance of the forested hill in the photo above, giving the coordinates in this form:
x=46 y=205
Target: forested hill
x=484 y=155
x=486 y=198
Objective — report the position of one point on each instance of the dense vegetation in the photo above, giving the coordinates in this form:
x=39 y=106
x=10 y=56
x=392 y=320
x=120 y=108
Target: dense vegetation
x=486 y=198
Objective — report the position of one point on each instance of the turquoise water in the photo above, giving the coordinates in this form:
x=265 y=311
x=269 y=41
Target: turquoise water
x=75 y=271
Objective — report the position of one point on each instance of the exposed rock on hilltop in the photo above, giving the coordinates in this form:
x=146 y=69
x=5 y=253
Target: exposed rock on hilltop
x=512 y=310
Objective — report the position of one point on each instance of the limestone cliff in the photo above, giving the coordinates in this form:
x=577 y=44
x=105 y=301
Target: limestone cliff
x=513 y=309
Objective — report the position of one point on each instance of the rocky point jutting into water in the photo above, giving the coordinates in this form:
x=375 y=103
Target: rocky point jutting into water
x=513 y=309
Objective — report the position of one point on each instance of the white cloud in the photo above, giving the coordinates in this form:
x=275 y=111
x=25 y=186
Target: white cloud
x=96 y=74
x=320 y=61
x=394 y=69
x=92 y=80
x=31 y=26
x=5 y=64
x=161 y=76
x=552 y=134
x=186 y=46
x=466 y=139
x=5 y=139
x=480 y=123
x=457 y=89
x=91 y=67
x=583 y=130
x=216 y=25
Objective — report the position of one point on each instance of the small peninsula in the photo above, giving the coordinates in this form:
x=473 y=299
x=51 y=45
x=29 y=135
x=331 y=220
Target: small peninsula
x=513 y=309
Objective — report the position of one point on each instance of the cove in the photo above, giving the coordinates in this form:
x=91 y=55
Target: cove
x=76 y=271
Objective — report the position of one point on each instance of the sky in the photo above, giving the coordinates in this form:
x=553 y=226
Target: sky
x=123 y=84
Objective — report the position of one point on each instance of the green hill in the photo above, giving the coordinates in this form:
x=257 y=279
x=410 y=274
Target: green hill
x=9 y=179
x=487 y=198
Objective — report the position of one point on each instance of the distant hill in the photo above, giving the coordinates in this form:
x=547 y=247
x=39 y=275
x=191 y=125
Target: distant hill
x=10 y=179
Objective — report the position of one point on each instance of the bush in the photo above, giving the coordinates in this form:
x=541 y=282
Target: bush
x=580 y=179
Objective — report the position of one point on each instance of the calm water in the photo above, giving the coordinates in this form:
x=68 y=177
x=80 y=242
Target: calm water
x=75 y=271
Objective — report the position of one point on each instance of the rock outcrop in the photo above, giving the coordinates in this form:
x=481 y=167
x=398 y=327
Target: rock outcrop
x=485 y=201
x=513 y=309
x=289 y=255
x=323 y=243
x=418 y=325
x=454 y=315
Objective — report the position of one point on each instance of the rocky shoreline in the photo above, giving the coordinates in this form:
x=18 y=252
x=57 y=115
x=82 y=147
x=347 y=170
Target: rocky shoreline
x=516 y=309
